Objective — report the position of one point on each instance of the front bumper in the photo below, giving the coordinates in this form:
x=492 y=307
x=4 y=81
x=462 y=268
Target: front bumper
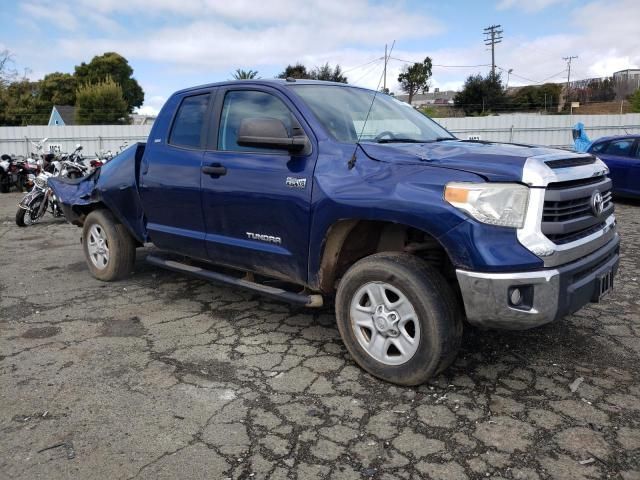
x=548 y=294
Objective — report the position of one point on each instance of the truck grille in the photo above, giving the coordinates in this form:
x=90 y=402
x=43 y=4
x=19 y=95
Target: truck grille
x=568 y=215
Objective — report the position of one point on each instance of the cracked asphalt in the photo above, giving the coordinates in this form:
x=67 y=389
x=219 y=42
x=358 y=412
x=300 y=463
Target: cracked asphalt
x=164 y=376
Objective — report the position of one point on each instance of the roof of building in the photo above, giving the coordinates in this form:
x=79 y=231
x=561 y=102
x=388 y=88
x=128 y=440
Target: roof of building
x=67 y=112
x=627 y=70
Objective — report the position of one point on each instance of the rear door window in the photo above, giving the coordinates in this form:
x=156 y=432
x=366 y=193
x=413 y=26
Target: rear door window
x=187 y=130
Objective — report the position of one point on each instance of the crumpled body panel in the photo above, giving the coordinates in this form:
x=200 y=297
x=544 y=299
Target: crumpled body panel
x=114 y=185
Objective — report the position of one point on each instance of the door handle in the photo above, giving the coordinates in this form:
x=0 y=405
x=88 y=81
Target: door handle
x=215 y=170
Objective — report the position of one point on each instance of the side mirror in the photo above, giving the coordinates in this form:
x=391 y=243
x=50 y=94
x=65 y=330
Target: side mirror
x=269 y=133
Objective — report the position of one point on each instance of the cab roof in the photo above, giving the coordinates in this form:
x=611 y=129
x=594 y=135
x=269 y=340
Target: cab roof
x=273 y=82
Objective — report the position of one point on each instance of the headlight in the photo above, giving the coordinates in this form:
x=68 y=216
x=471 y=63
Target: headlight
x=503 y=204
x=41 y=181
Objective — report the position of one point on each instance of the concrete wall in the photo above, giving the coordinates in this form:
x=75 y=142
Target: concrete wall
x=552 y=130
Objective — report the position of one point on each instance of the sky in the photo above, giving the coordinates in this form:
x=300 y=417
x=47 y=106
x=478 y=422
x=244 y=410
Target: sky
x=173 y=44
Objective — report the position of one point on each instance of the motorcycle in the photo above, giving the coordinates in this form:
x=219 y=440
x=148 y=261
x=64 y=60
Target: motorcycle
x=8 y=173
x=28 y=169
x=35 y=204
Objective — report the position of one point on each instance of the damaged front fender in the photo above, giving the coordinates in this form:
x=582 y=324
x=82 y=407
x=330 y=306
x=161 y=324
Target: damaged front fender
x=113 y=186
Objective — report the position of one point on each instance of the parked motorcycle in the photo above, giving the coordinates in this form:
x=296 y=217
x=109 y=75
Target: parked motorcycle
x=35 y=204
x=8 y=173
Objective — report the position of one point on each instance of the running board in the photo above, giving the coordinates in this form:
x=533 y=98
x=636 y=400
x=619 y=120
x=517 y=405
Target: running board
x=290 y=297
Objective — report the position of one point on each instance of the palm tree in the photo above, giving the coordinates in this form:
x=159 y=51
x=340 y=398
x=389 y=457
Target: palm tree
x=241 y=74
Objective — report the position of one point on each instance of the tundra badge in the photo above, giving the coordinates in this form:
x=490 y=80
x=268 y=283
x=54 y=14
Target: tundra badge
x=264 y=238
x=294 y=182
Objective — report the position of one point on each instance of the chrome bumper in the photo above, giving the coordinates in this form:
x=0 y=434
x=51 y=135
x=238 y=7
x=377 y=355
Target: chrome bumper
x=547 y=294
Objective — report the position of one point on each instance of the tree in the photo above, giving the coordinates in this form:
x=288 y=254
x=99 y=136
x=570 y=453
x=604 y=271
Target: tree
x=58 y=89
x=101 y=103
x=114 y=65
x=326 y=73
x=295 y=71
x=20 y=104
x=241 y=74
x=533 y=97
x=481 y=94
x=415 y=78
x=635 y=101
x=8 y=74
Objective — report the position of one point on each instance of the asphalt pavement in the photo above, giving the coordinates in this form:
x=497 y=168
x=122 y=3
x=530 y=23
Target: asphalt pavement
x=164 y=376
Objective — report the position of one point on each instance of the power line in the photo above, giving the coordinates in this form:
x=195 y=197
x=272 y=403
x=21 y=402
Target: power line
x=442 y=66
x=493 y=36
x=362 y=65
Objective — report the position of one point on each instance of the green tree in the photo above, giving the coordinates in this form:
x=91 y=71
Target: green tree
x=101 y=103
x=415 y=78
x=20 y=104
x=241 y=74
x=114 y=65
x=481 y=94
x=635 y=101
x=58 y=89
x=295 y=71
x=328 y=74
x=533 y=97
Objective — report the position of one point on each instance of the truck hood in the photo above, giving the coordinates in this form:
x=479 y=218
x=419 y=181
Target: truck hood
x=500 y=162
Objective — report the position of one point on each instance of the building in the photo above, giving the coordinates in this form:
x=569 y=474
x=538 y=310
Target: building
x=442 y=99
x=62 y=115
x=626 y=82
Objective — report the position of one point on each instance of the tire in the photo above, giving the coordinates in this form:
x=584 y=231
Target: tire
x=109 y=249
x=429 y=335
x=20 y=214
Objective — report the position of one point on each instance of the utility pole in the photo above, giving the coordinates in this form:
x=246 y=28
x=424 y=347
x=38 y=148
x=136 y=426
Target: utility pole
x=384 y=87
x=493 y=35
x=568 y=60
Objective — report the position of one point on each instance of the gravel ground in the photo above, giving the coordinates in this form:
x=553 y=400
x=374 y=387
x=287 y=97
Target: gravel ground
x=163 y=376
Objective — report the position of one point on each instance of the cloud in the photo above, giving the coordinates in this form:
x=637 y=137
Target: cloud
x=527 y=5
x=191 y=41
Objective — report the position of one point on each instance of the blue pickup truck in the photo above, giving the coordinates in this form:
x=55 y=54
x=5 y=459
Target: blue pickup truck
x=315 y=192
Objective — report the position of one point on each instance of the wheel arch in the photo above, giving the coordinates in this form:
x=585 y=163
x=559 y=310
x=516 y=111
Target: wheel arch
x=348 y=240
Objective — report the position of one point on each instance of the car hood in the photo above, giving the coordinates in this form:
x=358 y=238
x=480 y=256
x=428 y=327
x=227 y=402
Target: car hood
x=500 y=162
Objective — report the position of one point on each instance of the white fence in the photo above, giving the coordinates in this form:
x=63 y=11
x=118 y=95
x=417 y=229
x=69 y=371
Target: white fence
x=554 y=130
x=93 y=138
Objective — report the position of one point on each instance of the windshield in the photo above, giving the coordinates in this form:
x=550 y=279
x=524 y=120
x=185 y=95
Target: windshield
x=343 y=110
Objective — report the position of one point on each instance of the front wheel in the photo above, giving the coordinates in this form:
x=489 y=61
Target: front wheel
x=26 y=217
x=398 y=318
x=109 y=249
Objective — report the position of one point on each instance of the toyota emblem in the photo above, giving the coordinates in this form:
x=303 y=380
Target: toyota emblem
x=597 y=203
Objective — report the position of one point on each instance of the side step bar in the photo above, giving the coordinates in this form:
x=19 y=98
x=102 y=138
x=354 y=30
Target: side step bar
x=290 y=297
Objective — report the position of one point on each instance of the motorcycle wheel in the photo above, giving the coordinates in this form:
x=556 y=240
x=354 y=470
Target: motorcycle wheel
x=20 y=216
x=25 y=218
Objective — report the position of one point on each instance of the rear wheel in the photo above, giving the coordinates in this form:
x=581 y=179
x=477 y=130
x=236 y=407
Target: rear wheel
x=398 y=318
x=110 y=251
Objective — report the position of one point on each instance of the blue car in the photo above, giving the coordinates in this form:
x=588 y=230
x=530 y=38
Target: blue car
x=622 y=156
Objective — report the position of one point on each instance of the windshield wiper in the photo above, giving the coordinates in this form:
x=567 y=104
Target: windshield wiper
x=400 y=140
x=442 y=139
x=413 y=140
